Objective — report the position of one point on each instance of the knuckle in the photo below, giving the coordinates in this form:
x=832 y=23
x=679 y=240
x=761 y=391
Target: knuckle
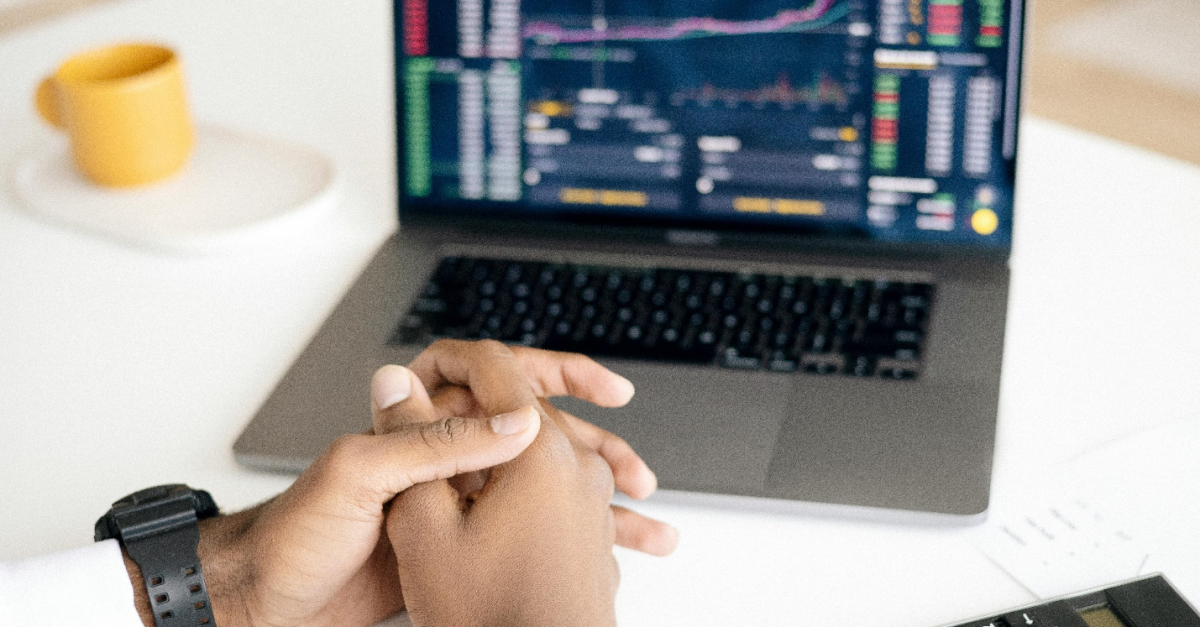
x=555 y=447
x=579 y=359
x=446 y=432
x=642 y=537
x=443 y=345
x=597 y=476
x=343 y=454
x=617 y=444
x=603 y=482
x=495 y=349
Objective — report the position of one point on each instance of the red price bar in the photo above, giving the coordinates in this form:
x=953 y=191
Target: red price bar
x=416 y=27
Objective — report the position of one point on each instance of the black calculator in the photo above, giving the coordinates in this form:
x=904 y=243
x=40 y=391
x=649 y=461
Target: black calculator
x=1146 y=602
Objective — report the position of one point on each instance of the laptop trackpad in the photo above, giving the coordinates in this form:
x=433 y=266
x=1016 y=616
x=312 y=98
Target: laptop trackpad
x=902 y=444
x=700 y=429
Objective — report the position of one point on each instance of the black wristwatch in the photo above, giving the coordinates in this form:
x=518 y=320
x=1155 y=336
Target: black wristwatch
x=159 y=529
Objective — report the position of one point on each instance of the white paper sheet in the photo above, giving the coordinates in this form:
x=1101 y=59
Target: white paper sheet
x=1113 y=513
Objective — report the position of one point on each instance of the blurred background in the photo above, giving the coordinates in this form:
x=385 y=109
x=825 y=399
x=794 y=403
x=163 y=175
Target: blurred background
x=1125 y=69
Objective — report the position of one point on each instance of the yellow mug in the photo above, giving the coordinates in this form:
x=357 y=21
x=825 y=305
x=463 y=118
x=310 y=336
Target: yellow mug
x=125 y=111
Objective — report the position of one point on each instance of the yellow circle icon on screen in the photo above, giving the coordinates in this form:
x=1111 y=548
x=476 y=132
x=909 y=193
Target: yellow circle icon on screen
x=985 y=222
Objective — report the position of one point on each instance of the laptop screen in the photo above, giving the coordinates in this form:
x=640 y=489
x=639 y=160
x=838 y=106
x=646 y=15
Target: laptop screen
x=887 y=120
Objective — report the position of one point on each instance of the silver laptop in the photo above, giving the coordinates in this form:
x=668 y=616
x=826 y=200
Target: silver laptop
x=788 y=223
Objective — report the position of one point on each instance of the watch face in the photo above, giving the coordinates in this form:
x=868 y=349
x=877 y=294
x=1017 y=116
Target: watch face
x=148 y=495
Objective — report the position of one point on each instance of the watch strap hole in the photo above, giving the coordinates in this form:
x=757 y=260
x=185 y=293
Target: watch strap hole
x=161 y=598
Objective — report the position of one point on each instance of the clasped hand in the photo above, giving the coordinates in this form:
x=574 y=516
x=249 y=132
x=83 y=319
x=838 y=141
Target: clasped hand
x=473 y=501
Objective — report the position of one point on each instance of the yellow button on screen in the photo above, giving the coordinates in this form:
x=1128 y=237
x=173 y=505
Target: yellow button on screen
x=985 y=222
x=552 y=108
x=752 y=205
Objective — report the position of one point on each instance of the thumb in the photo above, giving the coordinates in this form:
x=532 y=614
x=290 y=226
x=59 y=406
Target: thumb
x=443 y=449
x=424 y=452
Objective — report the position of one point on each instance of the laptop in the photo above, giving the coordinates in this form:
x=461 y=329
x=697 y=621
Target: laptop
x=788 y=223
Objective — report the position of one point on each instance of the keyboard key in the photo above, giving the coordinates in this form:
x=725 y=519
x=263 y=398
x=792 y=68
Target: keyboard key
x=818 y=342
x=898 y=374
x=410 y=331
x=860 y=366
x=822 y=364
x=820 y=368
x=731 y=358
x=782 y=362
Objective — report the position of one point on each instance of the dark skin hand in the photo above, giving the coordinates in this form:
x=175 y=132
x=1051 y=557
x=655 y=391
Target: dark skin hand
x=317 y=554
x=528 y=544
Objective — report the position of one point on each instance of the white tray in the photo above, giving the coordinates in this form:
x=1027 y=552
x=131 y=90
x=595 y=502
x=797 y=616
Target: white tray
x=237 y=189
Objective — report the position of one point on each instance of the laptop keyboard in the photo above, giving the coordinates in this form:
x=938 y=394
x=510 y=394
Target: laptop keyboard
x=781 y=323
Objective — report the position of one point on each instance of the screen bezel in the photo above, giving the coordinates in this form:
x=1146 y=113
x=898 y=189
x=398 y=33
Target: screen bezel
x=501 y=217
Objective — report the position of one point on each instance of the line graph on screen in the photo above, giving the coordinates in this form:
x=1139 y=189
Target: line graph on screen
x=820 y=14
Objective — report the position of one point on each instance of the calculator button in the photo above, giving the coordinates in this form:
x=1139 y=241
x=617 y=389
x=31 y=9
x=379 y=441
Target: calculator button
x=1024 y=619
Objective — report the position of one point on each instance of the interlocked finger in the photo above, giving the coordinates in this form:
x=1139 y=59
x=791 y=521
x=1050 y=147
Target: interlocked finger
x=398 y=399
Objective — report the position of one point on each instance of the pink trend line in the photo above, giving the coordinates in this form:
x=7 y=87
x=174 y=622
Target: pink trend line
x=702 y=24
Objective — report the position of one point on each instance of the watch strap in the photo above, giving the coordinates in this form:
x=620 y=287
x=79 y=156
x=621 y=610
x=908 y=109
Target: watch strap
x=173 y=577
x=159 y=529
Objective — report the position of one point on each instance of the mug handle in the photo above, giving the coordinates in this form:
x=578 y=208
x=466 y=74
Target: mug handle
x=46 y=100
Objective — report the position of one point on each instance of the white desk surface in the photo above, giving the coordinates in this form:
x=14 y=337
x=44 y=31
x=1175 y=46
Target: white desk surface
x=121 y=368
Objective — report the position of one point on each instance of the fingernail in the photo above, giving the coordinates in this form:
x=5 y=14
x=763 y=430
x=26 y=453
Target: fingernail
x=629 y=389
x=674 y=538
x=513 y=423
x=390 y=385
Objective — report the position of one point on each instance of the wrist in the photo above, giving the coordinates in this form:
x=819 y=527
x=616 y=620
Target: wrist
x=223 y=557
x=141 y=599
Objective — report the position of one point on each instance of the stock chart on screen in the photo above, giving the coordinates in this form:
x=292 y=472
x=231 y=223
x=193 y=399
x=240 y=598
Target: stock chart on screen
x=891 y=118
